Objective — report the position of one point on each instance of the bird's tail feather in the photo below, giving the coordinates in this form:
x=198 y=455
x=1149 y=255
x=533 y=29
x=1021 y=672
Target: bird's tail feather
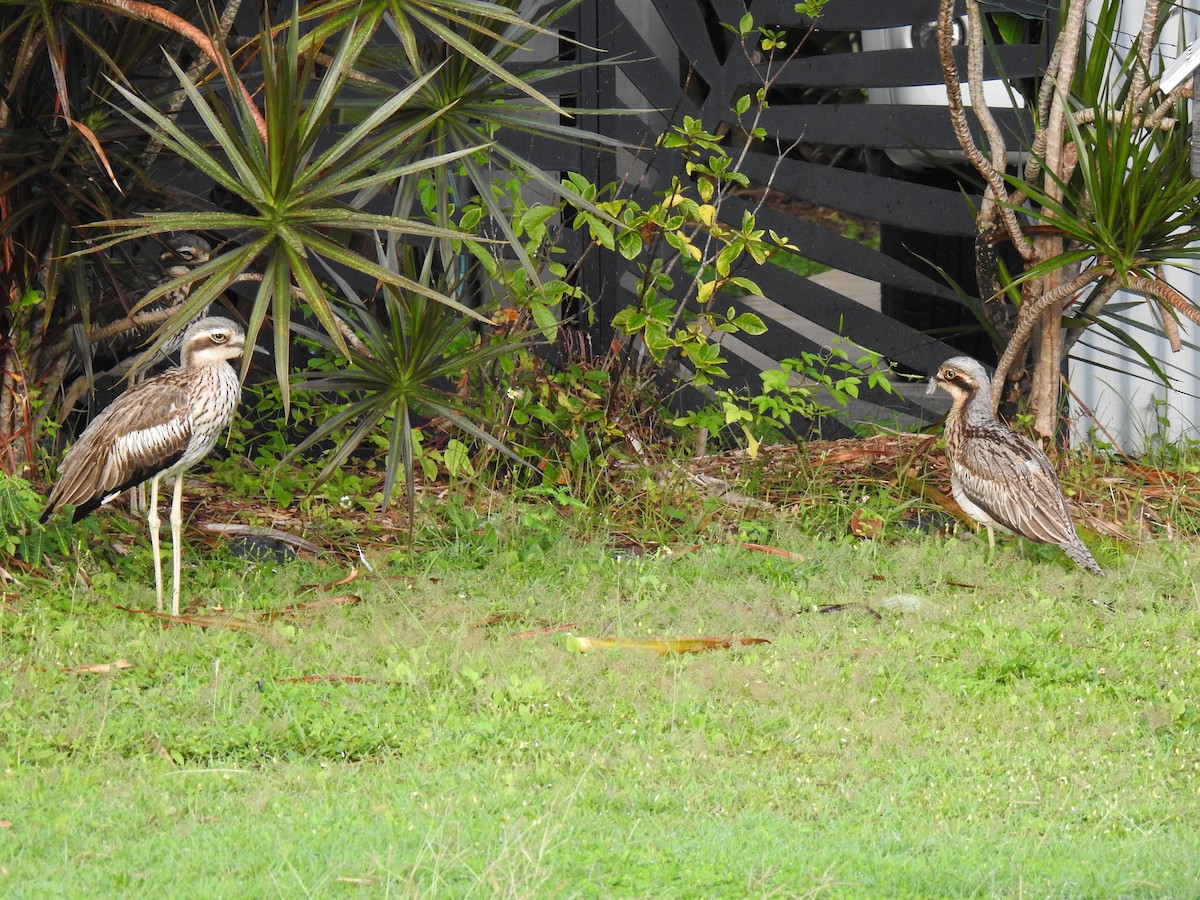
x=1082 y=556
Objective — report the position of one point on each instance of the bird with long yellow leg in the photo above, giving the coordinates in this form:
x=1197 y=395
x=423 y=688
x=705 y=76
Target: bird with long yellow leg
x=157 y=429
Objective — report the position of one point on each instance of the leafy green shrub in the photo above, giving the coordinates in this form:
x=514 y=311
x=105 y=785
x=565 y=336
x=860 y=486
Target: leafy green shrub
x=795 y=389
x=21 y=535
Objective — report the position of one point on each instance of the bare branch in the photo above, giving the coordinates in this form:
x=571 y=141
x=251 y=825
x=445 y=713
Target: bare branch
x=958 y=119
x=1157 y=120
x=1145 y=50
x=995 y=138
x=1163 y=292
x=1169 y=324
x=1170 y=327
x=131 y=322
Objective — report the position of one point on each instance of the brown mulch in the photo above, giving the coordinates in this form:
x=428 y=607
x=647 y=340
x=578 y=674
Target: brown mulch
x=1116 y=497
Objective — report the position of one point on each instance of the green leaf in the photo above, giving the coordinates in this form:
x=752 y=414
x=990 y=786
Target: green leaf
x=774 y=379
x=734 y=413
x=533 y=220
x=746 y=285
x=726 y=258
x=546 y=320
x=457 y=459
x=657 y=340
x=629 y=321
x=750 y=323
x=629 y=244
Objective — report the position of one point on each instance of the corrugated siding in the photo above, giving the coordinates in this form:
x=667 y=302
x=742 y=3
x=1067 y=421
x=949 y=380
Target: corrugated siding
x=1130 y=404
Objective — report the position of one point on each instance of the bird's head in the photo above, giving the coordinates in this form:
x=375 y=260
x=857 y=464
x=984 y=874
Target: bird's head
x=184 y=252
x=962 y=378
x=211 y=340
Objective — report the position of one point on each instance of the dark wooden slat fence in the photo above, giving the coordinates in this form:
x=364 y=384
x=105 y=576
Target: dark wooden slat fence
x=673 y=56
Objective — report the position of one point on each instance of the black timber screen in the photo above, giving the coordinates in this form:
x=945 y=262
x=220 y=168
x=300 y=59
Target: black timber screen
x=675 y=58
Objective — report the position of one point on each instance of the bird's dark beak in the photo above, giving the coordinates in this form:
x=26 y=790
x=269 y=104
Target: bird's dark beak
x=259 y=348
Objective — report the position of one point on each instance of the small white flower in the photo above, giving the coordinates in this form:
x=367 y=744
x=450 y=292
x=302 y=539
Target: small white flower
x=516 y=393
x=345 y=502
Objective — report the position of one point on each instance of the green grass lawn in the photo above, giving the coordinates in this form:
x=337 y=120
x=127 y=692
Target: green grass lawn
x=1029 y=730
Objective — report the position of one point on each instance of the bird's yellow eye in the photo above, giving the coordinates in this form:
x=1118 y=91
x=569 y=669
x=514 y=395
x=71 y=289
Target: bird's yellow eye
x=219 y=337
x=949 y=374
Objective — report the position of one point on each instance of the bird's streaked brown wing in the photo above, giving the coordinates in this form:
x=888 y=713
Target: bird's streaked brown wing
x=141 y=433
x=1011 y=479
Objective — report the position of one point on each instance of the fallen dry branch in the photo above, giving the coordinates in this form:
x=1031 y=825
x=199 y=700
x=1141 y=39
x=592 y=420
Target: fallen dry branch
x=543 y=631
x=97 y=668
x=295 y=609
x=334 y=679
x=773 y=551
x=854 y=607
x=227 y=529
x=330 y=585
x=231 y=622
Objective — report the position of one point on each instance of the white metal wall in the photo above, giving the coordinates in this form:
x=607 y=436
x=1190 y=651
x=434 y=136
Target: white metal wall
x=1131 y=406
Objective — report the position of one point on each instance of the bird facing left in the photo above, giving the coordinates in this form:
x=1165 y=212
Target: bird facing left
x=999 y=477
x=157 y=429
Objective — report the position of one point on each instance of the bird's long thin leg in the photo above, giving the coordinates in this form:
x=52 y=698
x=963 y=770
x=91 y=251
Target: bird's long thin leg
x=137 y=493
x=991 y=543
x=153 y=521
x=176 y=537
x=137 y=499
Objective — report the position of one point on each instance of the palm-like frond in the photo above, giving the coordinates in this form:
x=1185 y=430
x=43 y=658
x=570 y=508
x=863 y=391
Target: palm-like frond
x=348 y=127
x=297 y=193
x=1132 y=205
x=466 y=55
x=399 y=367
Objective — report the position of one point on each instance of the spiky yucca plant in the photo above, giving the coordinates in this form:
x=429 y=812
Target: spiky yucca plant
x=364 y=142
x=404 y=359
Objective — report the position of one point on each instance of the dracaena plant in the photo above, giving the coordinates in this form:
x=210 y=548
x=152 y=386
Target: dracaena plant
x=1130 y=213
x=473 y=60
x=405 y=354
x=379 y=123
x=1106 y=200
x=297 y=192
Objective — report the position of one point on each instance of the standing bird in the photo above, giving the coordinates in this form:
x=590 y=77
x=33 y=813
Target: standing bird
x=997 y=476
x=157 y=429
